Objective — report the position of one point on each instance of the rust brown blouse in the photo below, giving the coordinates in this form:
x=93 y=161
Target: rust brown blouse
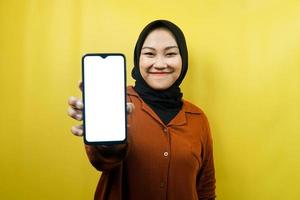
x=159 y=162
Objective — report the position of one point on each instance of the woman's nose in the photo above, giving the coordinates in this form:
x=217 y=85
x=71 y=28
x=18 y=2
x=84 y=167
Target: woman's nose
x=160 y=63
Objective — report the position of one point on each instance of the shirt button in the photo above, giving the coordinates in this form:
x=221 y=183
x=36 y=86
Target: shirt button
x=166 y=154
x=165 y=130
x=162 y=184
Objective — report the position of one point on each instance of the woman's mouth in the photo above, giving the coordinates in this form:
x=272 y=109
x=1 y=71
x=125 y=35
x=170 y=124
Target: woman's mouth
x=160 y=73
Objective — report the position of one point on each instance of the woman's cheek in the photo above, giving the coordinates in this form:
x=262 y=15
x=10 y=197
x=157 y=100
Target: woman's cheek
x=175 y=62
x=145 y=63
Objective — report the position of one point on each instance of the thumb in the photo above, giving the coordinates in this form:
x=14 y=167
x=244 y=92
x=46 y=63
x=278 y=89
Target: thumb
x=130 y=108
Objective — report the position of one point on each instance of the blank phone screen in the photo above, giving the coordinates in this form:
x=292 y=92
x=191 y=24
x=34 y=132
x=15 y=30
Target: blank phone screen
x=104 y=97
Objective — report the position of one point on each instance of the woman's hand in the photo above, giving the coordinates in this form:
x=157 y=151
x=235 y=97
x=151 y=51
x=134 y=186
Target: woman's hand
x=75 y=111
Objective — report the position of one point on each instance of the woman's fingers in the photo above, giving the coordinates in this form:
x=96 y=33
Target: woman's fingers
x=75 y=111
x=130 y=108
x=77 y=130
x=75 y=103
x=75 y=114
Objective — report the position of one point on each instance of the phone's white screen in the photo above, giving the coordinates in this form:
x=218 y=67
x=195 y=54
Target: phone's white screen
x=104 y=98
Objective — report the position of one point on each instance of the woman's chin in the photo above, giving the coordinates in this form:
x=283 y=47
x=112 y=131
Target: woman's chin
x=159 y=86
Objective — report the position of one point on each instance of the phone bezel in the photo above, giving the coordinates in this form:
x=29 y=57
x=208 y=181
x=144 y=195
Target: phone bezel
x=104 y=55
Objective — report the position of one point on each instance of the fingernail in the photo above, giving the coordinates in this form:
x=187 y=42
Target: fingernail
x=78 y=116
x=129 y=108
x=79 y=104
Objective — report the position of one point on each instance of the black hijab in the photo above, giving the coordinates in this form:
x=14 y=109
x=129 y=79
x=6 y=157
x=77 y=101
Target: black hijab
x=165 y=103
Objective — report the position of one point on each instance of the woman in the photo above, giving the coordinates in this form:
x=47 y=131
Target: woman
x=169 y=150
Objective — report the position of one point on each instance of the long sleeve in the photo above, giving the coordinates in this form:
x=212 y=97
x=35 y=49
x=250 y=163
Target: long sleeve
x=206 y=182
x=105 y=158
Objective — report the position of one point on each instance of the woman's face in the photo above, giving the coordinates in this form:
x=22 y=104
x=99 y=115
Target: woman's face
x=160 y=60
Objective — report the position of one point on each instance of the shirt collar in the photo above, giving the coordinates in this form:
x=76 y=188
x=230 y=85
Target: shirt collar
x=179 y=119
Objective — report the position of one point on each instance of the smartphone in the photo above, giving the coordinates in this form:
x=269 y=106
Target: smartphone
x=104 y=98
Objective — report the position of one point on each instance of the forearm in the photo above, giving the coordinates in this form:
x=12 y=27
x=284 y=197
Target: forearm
x=105 y=158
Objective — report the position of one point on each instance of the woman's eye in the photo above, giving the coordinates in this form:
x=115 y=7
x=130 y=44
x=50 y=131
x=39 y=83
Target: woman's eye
x=148 y=53
x=171 y=54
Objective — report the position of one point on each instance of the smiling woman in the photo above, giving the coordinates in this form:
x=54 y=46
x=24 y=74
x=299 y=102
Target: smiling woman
x=169 y=152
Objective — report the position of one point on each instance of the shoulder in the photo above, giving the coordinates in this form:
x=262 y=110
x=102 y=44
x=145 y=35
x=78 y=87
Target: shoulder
x=130 y=91
x=191 y=108
x=196 y=116
x=131 y=94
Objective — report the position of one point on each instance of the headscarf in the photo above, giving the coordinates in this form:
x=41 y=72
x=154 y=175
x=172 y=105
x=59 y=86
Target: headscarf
x=165 y=103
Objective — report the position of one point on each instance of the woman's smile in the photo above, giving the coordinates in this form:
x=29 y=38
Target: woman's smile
x=160 y=73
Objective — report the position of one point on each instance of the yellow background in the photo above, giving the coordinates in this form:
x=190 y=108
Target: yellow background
x=244 y=72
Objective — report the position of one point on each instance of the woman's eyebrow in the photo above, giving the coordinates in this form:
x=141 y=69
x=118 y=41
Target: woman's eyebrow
x=169 y=47
x=148 y=48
